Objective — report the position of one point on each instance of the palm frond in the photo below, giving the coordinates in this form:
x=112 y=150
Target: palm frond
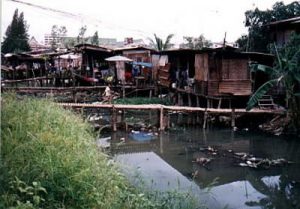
x=260 y=92
x=167 y=43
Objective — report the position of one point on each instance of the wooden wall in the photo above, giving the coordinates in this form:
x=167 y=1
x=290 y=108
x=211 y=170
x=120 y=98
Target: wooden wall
x=201 y=67
x=227 y=76
x=235 y=69
x=235 y=87
x=164 y=75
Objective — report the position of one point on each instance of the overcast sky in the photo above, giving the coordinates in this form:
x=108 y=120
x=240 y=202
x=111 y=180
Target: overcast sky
x=138 y=18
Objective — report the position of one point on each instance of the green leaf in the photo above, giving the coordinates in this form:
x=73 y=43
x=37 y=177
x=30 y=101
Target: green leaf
x=260 y=92
x=263 y=68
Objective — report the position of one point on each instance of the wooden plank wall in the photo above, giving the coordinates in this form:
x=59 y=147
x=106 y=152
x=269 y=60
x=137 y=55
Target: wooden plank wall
x=213 y=88
x=164 y=75
x=235 y=87
x=235 y=69
x=201 y=67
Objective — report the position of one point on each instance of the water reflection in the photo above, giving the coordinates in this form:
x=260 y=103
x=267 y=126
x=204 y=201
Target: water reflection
x=237 y=187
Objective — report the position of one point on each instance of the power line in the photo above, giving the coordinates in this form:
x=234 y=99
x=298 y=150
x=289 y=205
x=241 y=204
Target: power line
x=82 y=17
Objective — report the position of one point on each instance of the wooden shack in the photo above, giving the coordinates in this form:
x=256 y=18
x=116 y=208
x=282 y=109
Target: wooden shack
x=225 y=72
x=142 y=56
x=280 y=31
x=93 y=61
x=174 y=64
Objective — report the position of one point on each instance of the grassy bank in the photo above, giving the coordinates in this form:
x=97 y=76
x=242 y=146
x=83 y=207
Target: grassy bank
x=49 y=160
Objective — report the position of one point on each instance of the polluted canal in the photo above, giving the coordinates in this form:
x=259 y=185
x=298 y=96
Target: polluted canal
x=221 y=168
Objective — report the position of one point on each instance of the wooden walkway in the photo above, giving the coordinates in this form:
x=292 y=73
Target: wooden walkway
x=171 y=108
x=161 y=108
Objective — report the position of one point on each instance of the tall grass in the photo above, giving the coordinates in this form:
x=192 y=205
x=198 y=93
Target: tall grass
x=49 y=160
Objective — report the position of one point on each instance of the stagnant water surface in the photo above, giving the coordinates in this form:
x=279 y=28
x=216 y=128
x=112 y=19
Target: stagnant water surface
x=166 y=162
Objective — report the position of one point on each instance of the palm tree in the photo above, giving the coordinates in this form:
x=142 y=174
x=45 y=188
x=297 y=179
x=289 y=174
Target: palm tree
x=158 y=43
x=286 y=73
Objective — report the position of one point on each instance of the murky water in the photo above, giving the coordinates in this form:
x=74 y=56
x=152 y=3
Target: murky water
x=166 y=162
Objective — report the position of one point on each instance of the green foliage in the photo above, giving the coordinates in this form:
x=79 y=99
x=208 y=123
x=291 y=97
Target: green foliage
x=196 y=43
x=95 y=39
x=256 y=21
x=142 y=100
x=261 y=91
x=58 y=34
x=80 y=37
x=159 y=44
x=285 y=72
x=49 y=160
x=16 y=36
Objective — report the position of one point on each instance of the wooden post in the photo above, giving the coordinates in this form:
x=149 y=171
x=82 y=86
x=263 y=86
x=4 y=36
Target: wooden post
x=207 y=103
x=189 y=100
x=197 y=118
x=181 y=100
x=197 y=101
x=220 y=102
x=233 y=118
x=205 y=119
x=150 y=94
x=161 y=121
x=114 y=119
x=123 y=91
x=161 y=144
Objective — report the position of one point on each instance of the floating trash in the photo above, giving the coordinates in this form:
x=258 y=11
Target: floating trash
x=141 y=136
x=103 y=142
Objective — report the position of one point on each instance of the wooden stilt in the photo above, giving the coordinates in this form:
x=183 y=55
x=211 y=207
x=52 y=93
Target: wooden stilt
x=233 y=118
x=189 y=100
x=189 y=119
x=123 y=91
x=197 y=118
x=205 y=119
x=220 y=102
x=150 y=94
x=197 y=101
x=161 y=144
x=114 y=119
x=161 y=121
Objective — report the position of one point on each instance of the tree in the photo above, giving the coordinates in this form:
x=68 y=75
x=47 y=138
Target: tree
x=158 y=43
x=16 y=36
x=80 y=37
x=196 y=43
x=58 y=34
x=257 y=20
x=95 y=39
x=286 y=73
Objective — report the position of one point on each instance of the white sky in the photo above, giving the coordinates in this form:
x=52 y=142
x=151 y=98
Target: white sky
x=139 y=18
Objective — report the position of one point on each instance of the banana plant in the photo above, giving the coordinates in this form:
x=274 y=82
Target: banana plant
x=285 y=72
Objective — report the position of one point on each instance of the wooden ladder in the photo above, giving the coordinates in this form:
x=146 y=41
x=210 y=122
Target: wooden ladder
x=266 y=102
